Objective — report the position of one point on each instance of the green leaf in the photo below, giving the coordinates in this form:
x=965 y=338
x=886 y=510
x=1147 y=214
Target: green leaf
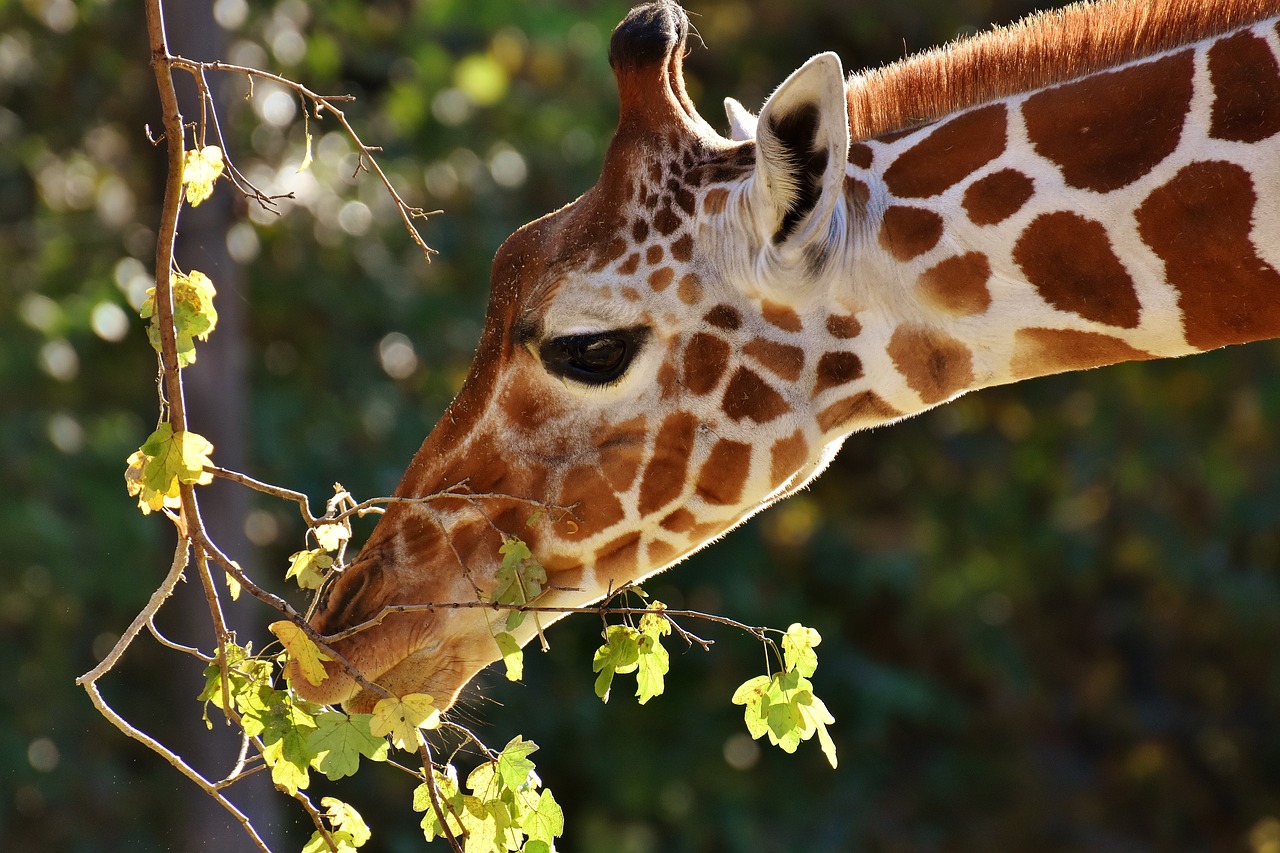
x=288 y=757
x=798 y=649
x=401 y=718
x=343 y=818
x=339 y=740
x=514 y=766
x=317 y=844
x=652 y=665
x=512 y=655
x=309 y=567
x=545 y=822
x=619 y=654
x=520 y=579
x=752 y=694
x=166 y=460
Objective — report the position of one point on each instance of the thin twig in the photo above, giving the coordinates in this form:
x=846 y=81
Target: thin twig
x=408 y=213
x=433 y=793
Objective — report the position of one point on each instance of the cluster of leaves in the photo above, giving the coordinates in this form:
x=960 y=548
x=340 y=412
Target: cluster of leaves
x=521 y=579
x=639 y=650
x=504 y=809
x=782 y=705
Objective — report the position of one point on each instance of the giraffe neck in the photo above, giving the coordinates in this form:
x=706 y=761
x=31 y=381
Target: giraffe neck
x=1127 y=214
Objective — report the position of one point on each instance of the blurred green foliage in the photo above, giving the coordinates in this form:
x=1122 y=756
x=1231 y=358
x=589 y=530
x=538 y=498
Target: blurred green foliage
x=1049 y=611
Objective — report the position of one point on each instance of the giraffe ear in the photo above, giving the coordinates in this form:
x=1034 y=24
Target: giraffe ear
x=742 y=124
x=802 y=145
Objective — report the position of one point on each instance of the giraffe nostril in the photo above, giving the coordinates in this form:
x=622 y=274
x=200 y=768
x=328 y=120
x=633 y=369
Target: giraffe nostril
x=353 y=597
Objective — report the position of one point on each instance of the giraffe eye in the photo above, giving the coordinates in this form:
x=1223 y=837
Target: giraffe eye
x=593 y=359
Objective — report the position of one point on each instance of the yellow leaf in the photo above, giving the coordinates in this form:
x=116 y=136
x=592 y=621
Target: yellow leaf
x=199 y=170
x=402 y=718
x=331 y=536
x=305 y=657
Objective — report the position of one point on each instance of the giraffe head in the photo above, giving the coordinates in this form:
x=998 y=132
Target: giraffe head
x=643 y=364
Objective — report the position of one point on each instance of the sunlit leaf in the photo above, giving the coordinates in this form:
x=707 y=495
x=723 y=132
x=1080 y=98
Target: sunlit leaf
x=331 y=536
x=309 y=567
x=339 y=740
x=514 y=765
x=193 y=314
x=305 y=657
x=512 y=655
x=199 y=171
x=401 y=718
x=166 y=460
x=343 y=818
x=619 y=654
x=798 y=649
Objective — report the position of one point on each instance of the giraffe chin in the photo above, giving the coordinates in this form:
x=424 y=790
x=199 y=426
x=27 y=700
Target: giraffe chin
x=420 y=672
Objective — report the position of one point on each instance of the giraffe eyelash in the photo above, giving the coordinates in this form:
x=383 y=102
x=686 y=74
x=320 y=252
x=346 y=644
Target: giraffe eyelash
x=594 y=358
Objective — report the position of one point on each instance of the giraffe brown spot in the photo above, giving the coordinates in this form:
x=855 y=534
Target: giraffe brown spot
x=714 y=201
x=660 y=553
x=616 y=561
x=997 y=196
x=680 y=521
x=1246 y=89
x=864 y=409
x=1199 y=224
x=660 y=278
x=857 y=191
x=783 y=360
x=621 y=451
x=951 y=152
x=631 y=264
x=935 y=365
x=593 y=499
x=1039 y=352
x=653 y=255
x=655 y=171
x=786 y=456
x=664 y=476
x=705 y=360
x=1070 y=261
x=958 y=285
x=667 y=380
x=690 y=289
x=861 y=155
x=666 y=221
x=843 y=326
x=639 y=231
x=836 y=368
x=630 y=294
x=724 y=317
x=908 y=232
x=782 y=316
x=749 y=396
x=682 y=249
x=723 y=475
x=685 y=200
x=1107 y=130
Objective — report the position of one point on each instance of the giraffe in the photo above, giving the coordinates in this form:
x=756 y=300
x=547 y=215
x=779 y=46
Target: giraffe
x=692 y=339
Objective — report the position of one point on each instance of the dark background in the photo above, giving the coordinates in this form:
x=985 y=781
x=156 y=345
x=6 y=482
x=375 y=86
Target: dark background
x=1049 y=611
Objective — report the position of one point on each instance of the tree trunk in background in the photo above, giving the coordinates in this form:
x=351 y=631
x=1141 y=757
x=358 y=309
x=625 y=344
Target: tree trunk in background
x=216 y=392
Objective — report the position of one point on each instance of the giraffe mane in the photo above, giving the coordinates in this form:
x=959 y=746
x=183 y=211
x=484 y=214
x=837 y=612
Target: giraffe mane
x=1041 y=50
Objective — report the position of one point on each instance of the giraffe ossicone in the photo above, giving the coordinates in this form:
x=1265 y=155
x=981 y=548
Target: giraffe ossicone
x=694 y=337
